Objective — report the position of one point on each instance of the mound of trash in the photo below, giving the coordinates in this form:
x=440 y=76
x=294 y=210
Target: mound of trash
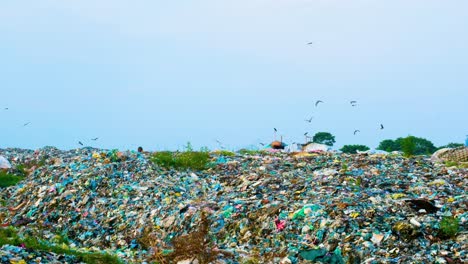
x=269 y=208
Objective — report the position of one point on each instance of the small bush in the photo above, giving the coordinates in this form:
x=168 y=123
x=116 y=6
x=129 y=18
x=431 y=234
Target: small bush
x=7 y=180
x=192 y=160
x=352 y=149
x=448 y=227
x=182 y=160
x=164 y=159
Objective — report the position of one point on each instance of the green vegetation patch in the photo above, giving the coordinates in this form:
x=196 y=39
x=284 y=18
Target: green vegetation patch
x=408 y=146
x=182 y=160
x=7 y=179
x=9 y=236
x=411 y=145
x=448 y=227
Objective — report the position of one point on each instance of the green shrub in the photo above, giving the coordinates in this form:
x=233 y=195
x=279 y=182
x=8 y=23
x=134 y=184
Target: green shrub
x=352 y=149
x=448 y=227
x=192 y=160
x=389 y=145
x=164 y=159
x=182 y=160
x=8 y=179
x=408 y=146
x=9 y=236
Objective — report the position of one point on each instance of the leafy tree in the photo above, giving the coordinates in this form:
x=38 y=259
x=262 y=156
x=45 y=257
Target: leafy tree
x=352 y=149
x=422 y=145
x=389 y=145
x=408 y=145
x=324 y=138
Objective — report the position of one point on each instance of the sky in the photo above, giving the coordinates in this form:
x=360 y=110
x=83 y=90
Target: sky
x=159 y=74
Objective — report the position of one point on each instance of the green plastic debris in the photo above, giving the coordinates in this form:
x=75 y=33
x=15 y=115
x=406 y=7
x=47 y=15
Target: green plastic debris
x=322 y=255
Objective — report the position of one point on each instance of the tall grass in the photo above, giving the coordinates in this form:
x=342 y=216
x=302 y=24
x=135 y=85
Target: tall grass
x=182 y=160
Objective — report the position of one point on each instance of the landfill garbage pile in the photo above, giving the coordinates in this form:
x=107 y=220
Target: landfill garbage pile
x=273 y=208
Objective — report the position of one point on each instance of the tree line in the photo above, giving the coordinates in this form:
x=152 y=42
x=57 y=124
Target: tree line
x=409 y=145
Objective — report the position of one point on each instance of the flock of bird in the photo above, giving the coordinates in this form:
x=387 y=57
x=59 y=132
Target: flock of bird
x=309 y=120
x=353 y=104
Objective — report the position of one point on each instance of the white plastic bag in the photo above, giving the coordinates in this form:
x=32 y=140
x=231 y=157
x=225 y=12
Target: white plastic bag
x=4 y=164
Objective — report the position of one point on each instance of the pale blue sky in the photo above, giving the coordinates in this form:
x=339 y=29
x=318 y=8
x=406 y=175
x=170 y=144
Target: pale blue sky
x=161 y=73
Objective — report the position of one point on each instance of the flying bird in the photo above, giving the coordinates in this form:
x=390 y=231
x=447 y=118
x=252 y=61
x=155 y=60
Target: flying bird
x=79 y=142
x=309 y=120
x=355 y=131
x=6 y=108
x=275 y=129
x=263 y=144
x=305 y=134
x=353 y=103
x=27 y=123
x=310 y=43
x=381 y=126
x=319 y=101
x=94 y=139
